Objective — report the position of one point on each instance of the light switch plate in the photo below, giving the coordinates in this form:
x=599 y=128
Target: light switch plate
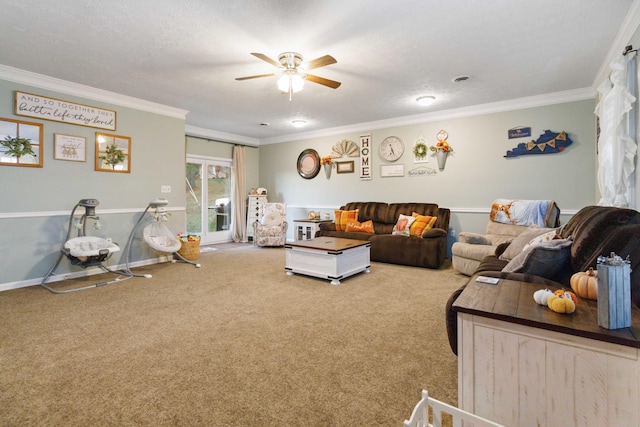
x=165 y=189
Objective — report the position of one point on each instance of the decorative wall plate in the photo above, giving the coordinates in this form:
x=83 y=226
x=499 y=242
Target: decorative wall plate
x=308 y=163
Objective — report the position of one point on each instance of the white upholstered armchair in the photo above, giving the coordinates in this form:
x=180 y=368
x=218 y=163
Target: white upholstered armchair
x=271 y=227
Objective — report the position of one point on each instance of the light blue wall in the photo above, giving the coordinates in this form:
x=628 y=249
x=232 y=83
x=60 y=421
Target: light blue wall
x=35 y=203
x=475 y=175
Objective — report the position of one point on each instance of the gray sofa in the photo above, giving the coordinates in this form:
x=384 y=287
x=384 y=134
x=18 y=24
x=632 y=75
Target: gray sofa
x=428 y=250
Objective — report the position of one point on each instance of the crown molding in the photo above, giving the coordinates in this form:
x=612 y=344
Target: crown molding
x=17 y=75
x=220 y=136
x=625 y=33
x=476 y=110
x=50 y=83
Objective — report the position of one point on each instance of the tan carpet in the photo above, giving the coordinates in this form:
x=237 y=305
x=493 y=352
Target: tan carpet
x=234 y=343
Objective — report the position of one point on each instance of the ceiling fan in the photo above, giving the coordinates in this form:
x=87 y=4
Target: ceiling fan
x=294 y=73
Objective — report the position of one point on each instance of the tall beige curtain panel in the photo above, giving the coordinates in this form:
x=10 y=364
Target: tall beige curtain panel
x=239 y=229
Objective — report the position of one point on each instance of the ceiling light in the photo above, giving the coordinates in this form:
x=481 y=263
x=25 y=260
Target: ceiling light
x=291 y=81
x=299 y=123
x=426 y=100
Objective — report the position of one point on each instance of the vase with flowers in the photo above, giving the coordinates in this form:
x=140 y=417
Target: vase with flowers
x=442 y=149
x=327 y=163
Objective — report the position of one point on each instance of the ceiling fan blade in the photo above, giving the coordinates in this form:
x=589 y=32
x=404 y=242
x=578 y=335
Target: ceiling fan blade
x=323 y=61
x=266 y=59
x=255 y=77
x=322 y=81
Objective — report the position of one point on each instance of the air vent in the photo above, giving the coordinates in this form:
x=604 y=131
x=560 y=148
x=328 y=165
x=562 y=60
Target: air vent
x=460 y=79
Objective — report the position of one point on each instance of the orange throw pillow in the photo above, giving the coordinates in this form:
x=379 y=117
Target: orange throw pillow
x=343 y=216
x=422 y=224
x=365 y=227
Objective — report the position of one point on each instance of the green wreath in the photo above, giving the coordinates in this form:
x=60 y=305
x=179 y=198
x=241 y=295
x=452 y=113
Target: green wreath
x=113 y=155
x=17 y=146
x=420 y=150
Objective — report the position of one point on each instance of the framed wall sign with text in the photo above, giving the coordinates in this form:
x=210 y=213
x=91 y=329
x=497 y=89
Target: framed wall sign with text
x=57 y=110
x=70 y=147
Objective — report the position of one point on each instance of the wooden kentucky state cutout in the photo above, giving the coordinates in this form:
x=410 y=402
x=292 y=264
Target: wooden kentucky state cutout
x=548 y=143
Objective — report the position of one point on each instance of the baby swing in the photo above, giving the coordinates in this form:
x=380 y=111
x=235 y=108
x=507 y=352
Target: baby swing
x=85 y=251
x=157 y=235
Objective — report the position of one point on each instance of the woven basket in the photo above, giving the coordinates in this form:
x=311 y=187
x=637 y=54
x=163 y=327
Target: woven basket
x=190 y=249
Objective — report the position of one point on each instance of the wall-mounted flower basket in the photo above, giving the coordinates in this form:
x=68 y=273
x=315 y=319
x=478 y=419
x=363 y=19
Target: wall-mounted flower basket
x=327 y=170
x=327 y=163
x=442 y=159
x=442 y=149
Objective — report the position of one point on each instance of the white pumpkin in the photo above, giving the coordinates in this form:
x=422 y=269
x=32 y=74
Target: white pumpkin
x=541 y=296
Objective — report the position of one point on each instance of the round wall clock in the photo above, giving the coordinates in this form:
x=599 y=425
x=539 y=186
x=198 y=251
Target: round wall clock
x=391 y=148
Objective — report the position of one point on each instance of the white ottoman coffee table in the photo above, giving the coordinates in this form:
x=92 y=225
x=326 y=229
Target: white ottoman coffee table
x=329 y=258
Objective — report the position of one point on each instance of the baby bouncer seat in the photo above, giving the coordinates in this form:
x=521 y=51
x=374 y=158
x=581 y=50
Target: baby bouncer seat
x=85 y=251
x=157 y=235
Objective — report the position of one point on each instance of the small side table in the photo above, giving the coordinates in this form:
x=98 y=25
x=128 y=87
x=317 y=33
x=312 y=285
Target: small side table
x=305 y=229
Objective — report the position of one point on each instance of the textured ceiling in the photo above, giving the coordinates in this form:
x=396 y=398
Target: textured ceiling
x=186 y=54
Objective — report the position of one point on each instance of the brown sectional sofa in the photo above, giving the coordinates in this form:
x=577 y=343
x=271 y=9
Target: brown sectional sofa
x=595 y=230
x=428 y=251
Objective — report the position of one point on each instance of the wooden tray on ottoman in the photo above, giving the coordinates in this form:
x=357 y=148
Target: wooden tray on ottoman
x=329 y=258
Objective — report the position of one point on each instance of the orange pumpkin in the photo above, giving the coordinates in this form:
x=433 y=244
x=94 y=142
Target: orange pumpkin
x=585 y=283
x=563 y=293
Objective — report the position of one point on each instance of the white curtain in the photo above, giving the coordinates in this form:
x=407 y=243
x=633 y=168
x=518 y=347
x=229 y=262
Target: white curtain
x=617 y=145
x=239 y=230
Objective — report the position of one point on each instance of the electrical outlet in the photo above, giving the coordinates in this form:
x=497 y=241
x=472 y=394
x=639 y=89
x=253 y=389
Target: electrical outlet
x=165 y=189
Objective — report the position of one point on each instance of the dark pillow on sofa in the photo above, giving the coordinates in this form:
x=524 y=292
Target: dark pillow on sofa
x=544 y=259
x=520 y=241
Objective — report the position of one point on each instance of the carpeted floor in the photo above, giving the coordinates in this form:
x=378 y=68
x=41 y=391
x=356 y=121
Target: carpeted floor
x=234 y=343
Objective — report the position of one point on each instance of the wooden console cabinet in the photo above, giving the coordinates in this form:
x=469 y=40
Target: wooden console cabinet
x=520 y=364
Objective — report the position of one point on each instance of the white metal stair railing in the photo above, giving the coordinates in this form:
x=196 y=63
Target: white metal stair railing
x=420 y=415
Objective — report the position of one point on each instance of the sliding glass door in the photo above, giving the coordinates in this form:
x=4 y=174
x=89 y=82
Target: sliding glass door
x=208 y=198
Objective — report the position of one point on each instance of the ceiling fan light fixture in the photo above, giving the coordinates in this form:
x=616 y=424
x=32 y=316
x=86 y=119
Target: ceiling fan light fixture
x=426 y=100
x=299 y=123
x=291 y=81
x=292 y=76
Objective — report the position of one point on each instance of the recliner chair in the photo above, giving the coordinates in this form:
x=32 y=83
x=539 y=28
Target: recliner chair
x=471 y=248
